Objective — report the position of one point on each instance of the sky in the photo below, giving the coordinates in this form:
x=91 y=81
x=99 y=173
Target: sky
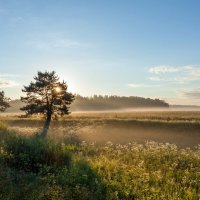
x=117 y=47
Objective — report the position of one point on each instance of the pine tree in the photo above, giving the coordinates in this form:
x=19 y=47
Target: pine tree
x=47 y=96
x=4 y=102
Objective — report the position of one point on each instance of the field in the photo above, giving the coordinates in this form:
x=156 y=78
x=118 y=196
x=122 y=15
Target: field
x=181 y=128
x=118 y=155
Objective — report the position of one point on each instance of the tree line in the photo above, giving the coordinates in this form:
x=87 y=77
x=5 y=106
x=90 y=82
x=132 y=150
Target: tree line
x=99 y=102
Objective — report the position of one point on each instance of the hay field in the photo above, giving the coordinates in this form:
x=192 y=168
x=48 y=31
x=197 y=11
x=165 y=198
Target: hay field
x=178 y=127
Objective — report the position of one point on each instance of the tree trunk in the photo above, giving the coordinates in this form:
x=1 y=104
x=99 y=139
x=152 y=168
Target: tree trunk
x=46 y=125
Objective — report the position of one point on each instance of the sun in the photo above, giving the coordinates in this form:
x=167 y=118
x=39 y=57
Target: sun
x=58 y=89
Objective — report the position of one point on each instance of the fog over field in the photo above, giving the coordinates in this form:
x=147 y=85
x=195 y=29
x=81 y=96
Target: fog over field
x=173 y=124
x=178 y=127
x=113 y=104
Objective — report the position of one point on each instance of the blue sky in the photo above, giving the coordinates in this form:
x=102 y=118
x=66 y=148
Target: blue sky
x=132 y=48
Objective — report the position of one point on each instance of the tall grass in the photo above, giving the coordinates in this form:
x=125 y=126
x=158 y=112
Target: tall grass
x=150 y=171
x=35 y=169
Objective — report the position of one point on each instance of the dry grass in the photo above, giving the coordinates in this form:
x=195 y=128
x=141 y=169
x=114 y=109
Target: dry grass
x=152 y=115
x=181 y=128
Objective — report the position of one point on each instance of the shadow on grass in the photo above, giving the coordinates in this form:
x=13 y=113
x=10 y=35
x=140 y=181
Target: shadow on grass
x=35 y=168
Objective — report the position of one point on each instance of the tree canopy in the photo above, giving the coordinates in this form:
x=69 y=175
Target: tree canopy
x=4 y=102
x=48 y=96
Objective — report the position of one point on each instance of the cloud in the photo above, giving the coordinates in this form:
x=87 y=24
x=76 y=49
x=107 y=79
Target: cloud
x=179 y=75
x=191 y=93
x=163 y=69
x=135 y=85
x=9 y=75
x=8 y=84
x=55 y=43
x=155 y=78
x=179 y=80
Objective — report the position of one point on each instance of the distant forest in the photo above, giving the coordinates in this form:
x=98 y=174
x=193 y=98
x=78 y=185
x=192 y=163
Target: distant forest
x=99 y=102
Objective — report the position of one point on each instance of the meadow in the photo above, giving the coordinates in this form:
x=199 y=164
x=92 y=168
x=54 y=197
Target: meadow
x=99 y=155
x=180 y=128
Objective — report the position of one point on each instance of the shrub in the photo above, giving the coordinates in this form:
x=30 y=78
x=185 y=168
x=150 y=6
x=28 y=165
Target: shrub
x=3 y=127
x=34 y=154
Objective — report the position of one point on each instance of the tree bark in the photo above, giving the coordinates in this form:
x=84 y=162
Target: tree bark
x=46 y=125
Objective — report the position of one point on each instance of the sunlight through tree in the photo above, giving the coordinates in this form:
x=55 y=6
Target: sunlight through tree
x=47 y=96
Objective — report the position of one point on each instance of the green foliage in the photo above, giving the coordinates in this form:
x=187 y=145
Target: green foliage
x=33 y=153
x=4 y=102
x=3 y=127
x=150 y=171
x=4 y=133
x=35 y=169
x=47 y=95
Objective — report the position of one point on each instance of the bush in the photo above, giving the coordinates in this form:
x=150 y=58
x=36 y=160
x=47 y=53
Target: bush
x=82 y=181
x=3 y=131
x=3 y=127
x=34 y=154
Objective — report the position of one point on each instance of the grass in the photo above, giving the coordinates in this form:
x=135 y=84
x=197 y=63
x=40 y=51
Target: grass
x=150 y=171
x=181 y=128
x=31 y=168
